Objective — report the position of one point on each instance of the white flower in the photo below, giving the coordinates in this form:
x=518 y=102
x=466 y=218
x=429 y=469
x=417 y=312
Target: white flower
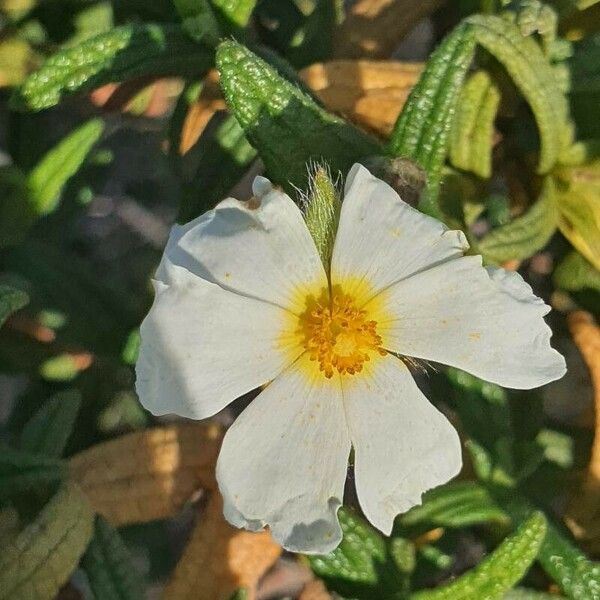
x=242 y=300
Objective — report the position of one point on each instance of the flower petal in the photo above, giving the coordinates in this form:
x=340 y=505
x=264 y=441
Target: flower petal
x=382 y=240
x=203 y=346
x=261 y=249
x=485 y=321
x=403 y=445
x=283 y=461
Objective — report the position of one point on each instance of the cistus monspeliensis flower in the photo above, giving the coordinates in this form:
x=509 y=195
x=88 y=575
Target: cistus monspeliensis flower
x=243 y=300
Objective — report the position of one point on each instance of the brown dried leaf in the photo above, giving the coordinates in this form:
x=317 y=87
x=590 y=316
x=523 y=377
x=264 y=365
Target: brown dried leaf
x=220 y=559
x=196 y=120
x=374 y=28
x=201 y=111
x=315 y=590
x=144 y=96
x=150 y=474
x=370 y=93
x=584 y=514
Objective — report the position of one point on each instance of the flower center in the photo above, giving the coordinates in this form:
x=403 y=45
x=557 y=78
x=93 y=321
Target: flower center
x=339 y=335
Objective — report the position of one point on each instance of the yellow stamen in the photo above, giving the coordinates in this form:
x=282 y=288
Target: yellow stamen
x=339 y=335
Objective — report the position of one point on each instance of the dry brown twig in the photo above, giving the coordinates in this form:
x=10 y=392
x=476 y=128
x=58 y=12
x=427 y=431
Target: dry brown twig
x=583 y=516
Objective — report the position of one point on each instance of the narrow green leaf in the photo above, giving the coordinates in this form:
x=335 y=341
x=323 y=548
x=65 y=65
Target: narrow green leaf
x=460 y=504
x=300 y=31
x=50 y=175
x=17 y=212
x=358 y=555
x=498 y=572
x=22 y=471
x=199 y=20
x=286 y=126
x=48 y=431
x=525 y=62
x=39 y=561
x=473 y=127
x=527 y=234
x=575 y=273
x=237 y=12
x=567 y=565
x=584 y=65
x=578 y=577
x=11 y=300
x=363 y=566
x=109 y=566
x=423 y=127
x=120 y=54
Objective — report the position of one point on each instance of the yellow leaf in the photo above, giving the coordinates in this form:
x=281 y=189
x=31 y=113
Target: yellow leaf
x=220 y=559
x=370 y=93
x=579 y=206
x=37 y=562
x=17 y=59
x=148 y=475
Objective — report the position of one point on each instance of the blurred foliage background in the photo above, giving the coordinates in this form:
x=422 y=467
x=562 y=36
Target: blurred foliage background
x=118 y=117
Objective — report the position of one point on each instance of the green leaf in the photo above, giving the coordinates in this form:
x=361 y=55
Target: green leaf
x=109 y=566
x=460 y=504
x=322 y=212
x=501 y=442
x=22 y=471
x=16 y=211
x=199 y=20
x=51 y=174
x=584 y=65
x=11 y=300
x=224 y=155
x=356 y=558
x=578 y=577
x=526 y=594
x=123 y=53
x=497 y=573
x=302 y=31
x=40 y=560
x=362 y=566
x=48 y=431
x=237 y=12
x=575 y=273
x=286 y=126
x=423 y=128
x=527 y=234
x=530 y=70
x=567 y=565
x=473 y=126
